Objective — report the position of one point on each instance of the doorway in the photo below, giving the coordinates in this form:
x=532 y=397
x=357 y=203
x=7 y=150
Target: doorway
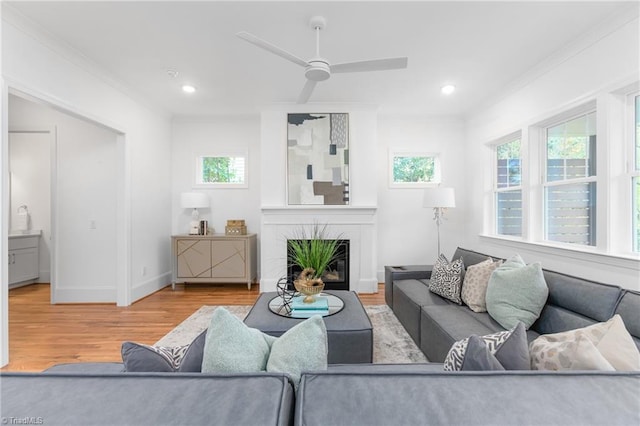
x=32 y=170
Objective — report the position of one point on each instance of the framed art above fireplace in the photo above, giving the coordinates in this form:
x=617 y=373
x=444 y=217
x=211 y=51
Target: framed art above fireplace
x=318 y=159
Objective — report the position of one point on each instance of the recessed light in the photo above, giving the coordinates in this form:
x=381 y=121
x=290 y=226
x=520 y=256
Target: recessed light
x=448 y=89
x=187 y=88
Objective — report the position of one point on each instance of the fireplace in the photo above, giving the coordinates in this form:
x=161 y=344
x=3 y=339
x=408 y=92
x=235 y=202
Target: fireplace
x=337 y=275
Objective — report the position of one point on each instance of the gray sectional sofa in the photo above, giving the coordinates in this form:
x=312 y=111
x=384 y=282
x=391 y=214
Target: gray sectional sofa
x=360 y=394
x=435 y=323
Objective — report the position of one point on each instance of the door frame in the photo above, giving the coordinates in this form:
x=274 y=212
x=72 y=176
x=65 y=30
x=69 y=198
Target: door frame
x=123 y=220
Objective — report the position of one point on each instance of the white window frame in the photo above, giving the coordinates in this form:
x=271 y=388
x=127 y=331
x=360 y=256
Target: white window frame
x=494 y=184
x=437 y=169
x=229 y=185
x=554 y=121
x=633 y=172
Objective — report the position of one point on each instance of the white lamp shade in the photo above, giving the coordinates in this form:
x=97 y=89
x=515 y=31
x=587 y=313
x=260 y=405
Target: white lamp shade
x=194 y=200
x=439 y=197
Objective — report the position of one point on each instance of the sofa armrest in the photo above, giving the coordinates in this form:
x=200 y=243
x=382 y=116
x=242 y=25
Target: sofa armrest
x=404 y=272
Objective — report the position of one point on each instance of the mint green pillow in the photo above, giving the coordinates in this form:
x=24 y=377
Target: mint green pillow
x=303 y=347
x=516 y=292
x=232 y=347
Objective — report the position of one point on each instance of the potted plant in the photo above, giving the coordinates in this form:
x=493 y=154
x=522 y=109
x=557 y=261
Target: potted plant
x=313 y=253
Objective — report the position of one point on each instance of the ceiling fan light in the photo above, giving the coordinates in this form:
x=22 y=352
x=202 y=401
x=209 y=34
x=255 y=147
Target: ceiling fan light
x=187 y=88
x=448 y=89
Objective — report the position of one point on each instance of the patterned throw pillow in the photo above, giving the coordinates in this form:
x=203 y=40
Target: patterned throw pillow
x=183 y=359
x=476 y=280
x=142 y=358
x=446 y=279
x=603 y=346
x=509 y=347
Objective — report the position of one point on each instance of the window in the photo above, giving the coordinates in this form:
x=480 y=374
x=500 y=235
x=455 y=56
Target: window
x=413 y=170
x=570 y=181
x=635 y=173
x=228 y=171
x=507 y=187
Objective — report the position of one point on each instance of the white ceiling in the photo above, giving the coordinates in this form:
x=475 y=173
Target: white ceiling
x=483 y=48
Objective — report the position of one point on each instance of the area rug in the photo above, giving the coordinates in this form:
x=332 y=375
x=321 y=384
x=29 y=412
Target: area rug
x=391 y=343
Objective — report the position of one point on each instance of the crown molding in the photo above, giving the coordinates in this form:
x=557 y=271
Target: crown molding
x=13 y=17
x=607 y=26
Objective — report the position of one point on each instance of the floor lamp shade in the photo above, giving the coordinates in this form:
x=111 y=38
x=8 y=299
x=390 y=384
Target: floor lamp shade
x=439 y=197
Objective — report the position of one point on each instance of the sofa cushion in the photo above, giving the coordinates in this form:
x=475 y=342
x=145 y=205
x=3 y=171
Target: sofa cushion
x=516 y=292
x=446 y=278
x=476 y=280
x=607 y=345
x=585 y=297
x=441 y=326
x=148 y=398
x=510 y=348
x=468 y=398
x=629 y=310
x=470 y=257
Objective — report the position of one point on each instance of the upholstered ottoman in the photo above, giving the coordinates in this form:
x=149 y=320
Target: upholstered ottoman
x=349 y=332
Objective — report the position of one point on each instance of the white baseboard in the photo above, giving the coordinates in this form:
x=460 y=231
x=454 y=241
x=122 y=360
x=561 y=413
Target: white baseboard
x=85 y=295
x=147 y=287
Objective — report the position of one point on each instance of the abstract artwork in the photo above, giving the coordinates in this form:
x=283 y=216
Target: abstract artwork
x=318 y=159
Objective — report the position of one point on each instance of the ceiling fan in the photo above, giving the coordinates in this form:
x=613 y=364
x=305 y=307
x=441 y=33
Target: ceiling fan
x=319 y=69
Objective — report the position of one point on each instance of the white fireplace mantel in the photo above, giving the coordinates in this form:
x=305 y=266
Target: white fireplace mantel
x=356 y=224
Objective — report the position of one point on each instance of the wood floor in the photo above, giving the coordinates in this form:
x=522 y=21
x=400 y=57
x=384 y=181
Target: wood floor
x=42 y=334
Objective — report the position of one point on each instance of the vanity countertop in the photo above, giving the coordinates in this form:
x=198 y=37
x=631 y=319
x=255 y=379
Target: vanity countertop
x=24 y=234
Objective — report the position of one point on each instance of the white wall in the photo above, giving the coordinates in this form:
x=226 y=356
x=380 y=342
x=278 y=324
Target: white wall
x=606 y=63
x=216 y=135
x=85 y=192
x=37 y=66
x=30 y=167
x=407 y=231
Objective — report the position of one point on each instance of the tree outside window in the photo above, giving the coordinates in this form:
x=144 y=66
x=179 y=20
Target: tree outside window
x=414 y=170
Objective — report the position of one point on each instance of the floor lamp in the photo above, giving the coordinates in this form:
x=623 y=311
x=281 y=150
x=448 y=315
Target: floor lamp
x=440 y=199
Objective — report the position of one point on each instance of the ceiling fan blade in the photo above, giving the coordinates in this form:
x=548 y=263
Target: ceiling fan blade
x=271 y=48
x=373 y=65
x=307 y=90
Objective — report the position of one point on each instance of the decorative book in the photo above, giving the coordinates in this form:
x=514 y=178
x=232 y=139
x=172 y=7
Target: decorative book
x=308 y=313
x=320 y=303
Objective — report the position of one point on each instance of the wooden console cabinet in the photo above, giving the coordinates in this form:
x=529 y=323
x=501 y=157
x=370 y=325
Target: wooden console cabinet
x=214 y=258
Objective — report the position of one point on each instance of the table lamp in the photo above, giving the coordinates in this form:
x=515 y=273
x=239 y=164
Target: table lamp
x=440 y=199
x=195 y=201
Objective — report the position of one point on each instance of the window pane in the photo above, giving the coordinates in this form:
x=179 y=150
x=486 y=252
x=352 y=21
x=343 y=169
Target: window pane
x=638 y=133
x=571 y=213
x=508 y=156
x=571 y=149
x=413 y=169
x=509 y=213
x=636 y=213
x=223 y=170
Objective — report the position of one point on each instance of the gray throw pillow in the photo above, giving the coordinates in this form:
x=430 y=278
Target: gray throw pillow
x=446 y=278
x=509 y=348
x=138 y=357
x=478 y=357
x=192 y=360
